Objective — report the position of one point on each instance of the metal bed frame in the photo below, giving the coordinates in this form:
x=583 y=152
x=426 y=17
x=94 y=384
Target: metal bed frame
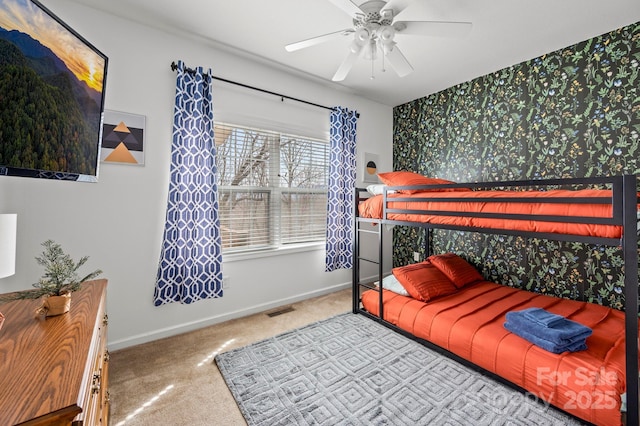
x=624 y=201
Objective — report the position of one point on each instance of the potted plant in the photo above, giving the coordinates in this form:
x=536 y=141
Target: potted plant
x=60 y=279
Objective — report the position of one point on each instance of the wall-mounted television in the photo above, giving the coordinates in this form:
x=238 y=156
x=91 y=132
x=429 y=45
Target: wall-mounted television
x=52 y=87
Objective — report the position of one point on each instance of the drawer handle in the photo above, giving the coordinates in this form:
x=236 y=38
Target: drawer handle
x=107 y=356
x=95 y=385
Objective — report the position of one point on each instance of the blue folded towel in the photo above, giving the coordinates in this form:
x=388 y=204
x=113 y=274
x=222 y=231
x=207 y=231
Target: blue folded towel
x=556 y=348
x=561 y=335
x=542 y=317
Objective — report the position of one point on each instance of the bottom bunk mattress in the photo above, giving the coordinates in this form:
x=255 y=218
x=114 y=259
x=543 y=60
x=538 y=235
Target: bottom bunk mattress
x=470 y=324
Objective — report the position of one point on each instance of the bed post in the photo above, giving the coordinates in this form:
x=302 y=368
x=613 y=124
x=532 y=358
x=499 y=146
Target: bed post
x=380 y=268
x=355 y=271
x=630 y=253
x=428 y=236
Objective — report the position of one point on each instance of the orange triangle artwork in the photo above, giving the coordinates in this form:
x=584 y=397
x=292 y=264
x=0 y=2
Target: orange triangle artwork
x=121 y=155
x=121 y=127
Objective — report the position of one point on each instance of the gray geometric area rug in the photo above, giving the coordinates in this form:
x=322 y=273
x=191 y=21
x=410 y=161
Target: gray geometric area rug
x=350 y=370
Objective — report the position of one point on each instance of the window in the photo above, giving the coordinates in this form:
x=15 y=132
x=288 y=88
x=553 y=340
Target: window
x=272 y=188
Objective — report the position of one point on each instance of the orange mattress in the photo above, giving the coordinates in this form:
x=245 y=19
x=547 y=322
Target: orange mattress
x=373 y=208
x=469 y=323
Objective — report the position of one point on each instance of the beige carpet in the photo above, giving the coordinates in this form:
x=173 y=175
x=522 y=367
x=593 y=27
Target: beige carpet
x=174 y=381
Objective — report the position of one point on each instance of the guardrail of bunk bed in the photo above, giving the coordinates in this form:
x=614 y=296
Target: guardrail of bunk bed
x=616 y=201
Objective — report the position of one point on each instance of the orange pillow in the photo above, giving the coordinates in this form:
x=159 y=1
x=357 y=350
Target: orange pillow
x=402 y=178
x=456 y=269
x=423 y=281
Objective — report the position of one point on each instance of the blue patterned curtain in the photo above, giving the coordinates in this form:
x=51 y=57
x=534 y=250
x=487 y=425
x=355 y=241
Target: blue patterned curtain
x=342 y=181
x=191 y=260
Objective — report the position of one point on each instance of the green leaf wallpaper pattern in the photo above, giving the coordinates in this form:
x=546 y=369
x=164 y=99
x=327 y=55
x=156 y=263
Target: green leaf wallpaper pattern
x=574 y=112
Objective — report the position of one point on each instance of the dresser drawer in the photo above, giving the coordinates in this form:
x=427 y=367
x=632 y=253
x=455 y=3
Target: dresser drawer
x=94 y=412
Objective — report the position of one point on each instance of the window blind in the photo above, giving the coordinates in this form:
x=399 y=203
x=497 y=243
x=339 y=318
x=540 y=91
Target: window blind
x=272 y=187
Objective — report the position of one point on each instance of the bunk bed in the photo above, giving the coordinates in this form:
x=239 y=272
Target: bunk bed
x=466 y=321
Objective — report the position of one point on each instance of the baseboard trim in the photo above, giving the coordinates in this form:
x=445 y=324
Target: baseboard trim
x=205 y=322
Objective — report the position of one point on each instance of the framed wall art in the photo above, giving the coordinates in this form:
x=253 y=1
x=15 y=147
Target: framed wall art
x=370 y=173
x=123 y=137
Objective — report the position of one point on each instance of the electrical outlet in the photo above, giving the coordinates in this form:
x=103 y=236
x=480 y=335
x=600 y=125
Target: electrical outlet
x=416 y=256
x=226 y=282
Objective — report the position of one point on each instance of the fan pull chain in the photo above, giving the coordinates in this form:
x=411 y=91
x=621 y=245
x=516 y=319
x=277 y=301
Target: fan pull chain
x=372 y=76
x=383 y=55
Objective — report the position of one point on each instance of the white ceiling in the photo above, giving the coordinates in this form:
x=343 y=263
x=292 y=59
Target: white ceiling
x=504 y=33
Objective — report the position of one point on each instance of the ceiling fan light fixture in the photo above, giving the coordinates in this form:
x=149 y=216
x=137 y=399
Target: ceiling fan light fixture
x=362 y=36
x=388 y=47
x=386 y=34
x=370 y=52
x=355 y=47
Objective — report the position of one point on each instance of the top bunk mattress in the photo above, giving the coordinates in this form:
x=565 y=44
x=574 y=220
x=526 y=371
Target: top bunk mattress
x=446 y=208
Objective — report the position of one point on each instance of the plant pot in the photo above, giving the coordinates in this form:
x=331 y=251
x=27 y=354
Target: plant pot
x=55 y=305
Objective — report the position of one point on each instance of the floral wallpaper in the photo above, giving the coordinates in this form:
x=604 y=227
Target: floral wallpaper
x=574 y=112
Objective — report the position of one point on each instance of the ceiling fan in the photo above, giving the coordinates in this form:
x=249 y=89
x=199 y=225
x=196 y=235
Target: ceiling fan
x=374 y=31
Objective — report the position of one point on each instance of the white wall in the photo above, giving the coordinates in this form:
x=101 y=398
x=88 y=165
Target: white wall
x=118 y=221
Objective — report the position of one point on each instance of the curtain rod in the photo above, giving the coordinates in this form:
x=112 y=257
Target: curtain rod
x=174 y=67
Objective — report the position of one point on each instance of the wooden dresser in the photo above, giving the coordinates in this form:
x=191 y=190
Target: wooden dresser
x=54 y=371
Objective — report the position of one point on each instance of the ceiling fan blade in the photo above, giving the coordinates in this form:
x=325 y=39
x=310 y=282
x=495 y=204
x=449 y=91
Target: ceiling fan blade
x=348 y=6
x=346 y=65
x=316 y=40
x=433 y=28
x=398 y=62
x=397 y=6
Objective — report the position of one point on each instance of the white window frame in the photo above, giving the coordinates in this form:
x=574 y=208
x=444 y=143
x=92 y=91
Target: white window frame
x=275 y=245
